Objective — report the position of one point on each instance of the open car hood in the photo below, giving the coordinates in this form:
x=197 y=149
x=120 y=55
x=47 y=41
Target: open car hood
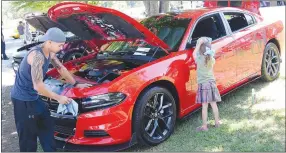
x=98 y=23
x=43 y=23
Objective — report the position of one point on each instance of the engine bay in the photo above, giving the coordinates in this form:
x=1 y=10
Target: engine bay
x=102 y=71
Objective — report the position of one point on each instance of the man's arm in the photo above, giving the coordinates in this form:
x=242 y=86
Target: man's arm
x=36 y=60
x=62 y=70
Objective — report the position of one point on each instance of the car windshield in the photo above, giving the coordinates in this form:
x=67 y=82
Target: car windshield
x=132 y=47
x=168 y=28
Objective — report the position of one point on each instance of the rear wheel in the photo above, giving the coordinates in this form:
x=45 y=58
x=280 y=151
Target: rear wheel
x=271 y=63
x=154 y=116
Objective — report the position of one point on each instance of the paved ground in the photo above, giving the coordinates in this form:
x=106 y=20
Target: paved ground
x=9 y=134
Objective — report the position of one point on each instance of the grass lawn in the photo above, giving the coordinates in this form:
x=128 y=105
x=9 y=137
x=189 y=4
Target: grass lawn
x=246 y=127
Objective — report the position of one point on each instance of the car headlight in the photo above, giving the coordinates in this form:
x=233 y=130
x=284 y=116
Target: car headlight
x=102 y=101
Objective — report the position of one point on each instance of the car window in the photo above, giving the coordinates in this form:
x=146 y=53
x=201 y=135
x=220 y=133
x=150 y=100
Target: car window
x=168 y=28
x=236 y=20
x=232 y=3
x=211 y=26
x=249 y=19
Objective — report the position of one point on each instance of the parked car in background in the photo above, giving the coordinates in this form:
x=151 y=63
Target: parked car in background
x=73 y=49
x=141 y=80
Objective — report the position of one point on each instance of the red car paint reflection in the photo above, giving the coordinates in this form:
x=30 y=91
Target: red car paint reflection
x=238 y=56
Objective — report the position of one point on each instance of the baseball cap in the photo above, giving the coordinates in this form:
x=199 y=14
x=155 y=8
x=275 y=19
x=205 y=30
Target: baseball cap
x=53 y=34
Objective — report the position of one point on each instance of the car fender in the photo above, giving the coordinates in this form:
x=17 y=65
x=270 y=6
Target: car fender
x=174 y=70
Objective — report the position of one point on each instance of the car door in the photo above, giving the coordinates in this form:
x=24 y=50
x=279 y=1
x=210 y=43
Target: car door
x=243 y=33
x=213 y=26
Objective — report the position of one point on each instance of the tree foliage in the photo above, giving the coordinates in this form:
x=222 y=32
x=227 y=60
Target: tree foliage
x=42 y=6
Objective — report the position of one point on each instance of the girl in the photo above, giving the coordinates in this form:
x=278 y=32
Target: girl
x=207 y=90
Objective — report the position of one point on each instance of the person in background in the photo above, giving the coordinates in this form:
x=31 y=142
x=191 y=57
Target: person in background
x=21 y=31
x=3 y=45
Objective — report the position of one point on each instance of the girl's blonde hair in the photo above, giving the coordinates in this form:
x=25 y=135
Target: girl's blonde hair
x=208 y=62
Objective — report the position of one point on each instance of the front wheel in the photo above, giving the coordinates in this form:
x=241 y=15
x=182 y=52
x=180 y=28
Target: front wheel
x=271 y=63
x=154 y=116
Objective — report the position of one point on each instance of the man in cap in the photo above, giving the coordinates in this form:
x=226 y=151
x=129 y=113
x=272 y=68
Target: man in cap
x=32 y=117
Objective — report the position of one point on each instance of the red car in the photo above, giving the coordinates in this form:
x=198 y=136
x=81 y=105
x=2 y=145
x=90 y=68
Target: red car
x=141 y=80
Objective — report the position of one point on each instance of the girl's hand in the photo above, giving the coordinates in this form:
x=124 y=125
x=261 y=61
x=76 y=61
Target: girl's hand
x=202 y=40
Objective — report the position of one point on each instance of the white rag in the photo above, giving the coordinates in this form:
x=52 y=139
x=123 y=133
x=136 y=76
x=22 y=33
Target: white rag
x=67 y=109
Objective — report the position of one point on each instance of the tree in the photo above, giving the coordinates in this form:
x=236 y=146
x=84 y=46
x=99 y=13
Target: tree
x=152 y=7
x=42 y=6
x=33 y=5
x=164 y=6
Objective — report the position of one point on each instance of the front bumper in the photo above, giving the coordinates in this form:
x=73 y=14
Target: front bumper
x=70 y=132
x=63 y=146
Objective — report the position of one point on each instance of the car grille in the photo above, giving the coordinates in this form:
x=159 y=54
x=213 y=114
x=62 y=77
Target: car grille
x=53 y=104
x=63 y=127
x=65 y=130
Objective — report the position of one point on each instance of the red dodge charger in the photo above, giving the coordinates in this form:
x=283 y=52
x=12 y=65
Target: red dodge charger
x=141 y=79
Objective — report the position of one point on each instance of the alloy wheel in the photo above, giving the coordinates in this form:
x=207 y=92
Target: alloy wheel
x=158 y=114
x=272 y=62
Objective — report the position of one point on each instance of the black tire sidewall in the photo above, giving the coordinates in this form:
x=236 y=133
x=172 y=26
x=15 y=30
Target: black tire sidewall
x=138 y=115
x=264 y=73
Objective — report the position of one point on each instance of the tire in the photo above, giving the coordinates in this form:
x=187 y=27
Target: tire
x=271 y=56
x=144 y=125
x=72 y=55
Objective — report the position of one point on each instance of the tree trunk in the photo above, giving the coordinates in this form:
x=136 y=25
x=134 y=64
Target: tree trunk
x=151 y=7
x=164 y=6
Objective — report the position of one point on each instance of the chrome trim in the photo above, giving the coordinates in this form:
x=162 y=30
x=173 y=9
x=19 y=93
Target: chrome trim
x=60 y=139
x=44 y=98
x=226 y=25
x=56 y=115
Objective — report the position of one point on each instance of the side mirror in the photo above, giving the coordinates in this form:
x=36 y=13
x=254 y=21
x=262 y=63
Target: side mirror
x=191 y=44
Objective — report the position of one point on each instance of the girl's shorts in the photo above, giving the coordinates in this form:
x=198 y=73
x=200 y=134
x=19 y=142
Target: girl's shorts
x=207 y=92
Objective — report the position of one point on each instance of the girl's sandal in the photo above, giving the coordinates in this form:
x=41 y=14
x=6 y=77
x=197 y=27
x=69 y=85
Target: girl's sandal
x=218 y=125
x=199 y=129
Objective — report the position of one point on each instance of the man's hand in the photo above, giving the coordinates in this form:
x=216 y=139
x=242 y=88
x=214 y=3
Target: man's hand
x=83 y=85
x=64 y=100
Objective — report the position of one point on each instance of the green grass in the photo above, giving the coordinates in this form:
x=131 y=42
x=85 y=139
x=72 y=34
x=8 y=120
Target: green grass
x=245 y=128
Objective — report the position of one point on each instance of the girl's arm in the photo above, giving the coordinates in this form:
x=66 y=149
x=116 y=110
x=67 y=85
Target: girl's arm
x=198 y=46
